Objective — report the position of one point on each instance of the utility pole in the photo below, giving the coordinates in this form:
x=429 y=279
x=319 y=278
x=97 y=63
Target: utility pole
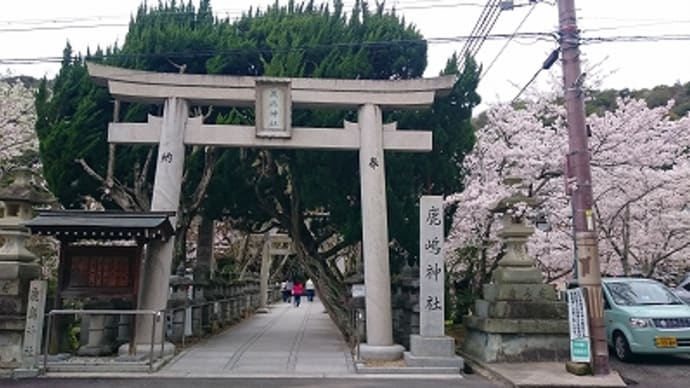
x=580 y=181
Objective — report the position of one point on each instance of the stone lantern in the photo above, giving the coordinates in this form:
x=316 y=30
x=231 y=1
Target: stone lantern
x=519 y=318
x=17 y=265
x=16 y=207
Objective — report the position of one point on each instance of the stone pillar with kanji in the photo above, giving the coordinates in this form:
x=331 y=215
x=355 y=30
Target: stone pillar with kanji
x=431 y=348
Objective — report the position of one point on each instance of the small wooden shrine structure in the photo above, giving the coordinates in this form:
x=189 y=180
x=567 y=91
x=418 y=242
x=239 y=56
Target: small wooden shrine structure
x=101 y=252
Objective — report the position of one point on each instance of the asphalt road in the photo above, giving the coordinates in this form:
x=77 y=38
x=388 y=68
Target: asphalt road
x=655 y=371
x=470 y=381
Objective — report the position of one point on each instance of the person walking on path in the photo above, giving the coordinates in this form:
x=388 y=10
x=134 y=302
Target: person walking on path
x=287 y=291
x=284 y=291
x=297 y=291
x=309 y=287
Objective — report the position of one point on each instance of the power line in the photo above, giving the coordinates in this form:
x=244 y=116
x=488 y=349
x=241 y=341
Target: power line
x=479 y=26
x=637 y=38
x=487 y=29
x=370 y=44
x=638 y=25
x=522 y=22
x=463 y=50
x=533 y=36
x=494 y=18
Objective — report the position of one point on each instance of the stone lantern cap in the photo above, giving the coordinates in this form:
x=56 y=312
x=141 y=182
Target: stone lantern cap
x=507 y=203
x=21 y=190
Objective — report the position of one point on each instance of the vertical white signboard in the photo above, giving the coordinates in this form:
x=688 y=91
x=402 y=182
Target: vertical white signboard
x=431 y=271
x=579 y=329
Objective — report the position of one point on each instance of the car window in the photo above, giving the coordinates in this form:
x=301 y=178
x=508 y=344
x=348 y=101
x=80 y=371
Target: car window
x=638 y=293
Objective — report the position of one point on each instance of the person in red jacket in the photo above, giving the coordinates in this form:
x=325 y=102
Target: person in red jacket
x=297 y=291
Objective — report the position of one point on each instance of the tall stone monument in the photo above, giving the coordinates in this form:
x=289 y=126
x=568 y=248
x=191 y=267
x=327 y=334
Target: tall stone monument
x=18 y=266
x=432 y=348
x=519 y=318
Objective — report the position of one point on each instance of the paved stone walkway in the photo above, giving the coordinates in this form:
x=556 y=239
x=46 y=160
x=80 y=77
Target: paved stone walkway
x=290 y=341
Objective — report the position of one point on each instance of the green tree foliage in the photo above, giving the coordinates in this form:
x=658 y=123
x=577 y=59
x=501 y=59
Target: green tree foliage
x=70 y=125
x=605 y=100
x=286 y=187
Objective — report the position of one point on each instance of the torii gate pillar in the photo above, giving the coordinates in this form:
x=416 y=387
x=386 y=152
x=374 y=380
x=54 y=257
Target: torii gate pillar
x=379 y=345
x=166 y=197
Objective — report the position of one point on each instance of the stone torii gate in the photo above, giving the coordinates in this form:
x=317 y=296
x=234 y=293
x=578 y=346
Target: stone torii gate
x=273 y=99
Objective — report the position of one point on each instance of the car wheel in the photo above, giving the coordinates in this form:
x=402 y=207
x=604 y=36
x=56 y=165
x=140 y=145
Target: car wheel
x=621 y=347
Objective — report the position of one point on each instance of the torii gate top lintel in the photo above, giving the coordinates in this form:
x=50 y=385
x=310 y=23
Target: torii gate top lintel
x=226 y=90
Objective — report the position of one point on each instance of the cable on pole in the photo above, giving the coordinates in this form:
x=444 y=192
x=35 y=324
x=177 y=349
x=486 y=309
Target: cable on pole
x=550 y=60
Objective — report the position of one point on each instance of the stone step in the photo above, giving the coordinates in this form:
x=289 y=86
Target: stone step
x=435 y=362
x=407 y=370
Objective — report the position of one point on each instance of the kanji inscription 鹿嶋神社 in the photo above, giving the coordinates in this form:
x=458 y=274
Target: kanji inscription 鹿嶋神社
x=431 y=266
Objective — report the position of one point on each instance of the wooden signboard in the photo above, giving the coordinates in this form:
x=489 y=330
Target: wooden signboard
x=99 y=271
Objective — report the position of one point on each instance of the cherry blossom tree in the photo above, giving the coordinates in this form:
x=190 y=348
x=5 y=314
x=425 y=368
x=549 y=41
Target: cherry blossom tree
x=18 y=139
x=641 y=182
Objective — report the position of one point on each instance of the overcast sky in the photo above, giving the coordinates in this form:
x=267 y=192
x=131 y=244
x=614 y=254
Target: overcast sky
x=623 y=64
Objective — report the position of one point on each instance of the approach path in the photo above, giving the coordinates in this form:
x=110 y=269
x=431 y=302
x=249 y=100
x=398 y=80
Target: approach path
x=287 y=341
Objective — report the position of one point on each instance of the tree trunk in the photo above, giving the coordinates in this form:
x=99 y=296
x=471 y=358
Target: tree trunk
x=180 y=250
x=625 y=258
x=204 y=243
x=330 y=286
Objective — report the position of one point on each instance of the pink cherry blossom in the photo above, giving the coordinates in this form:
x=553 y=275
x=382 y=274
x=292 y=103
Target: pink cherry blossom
x=17 y=119
x=641 y=183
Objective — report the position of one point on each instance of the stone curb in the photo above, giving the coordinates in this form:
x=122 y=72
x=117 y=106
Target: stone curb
x=491 y=373
x=262 y=376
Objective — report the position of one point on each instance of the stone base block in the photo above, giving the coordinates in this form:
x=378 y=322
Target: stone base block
x=529 y=275
x=10 y=348
x=519 y=292
x=381 y=353
x=262 y=310
x=521 y=310
x=13 y=270
x=145 y=350
x=432 y=346
x=517 y=326
x=455 y=362
x=516 y=347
